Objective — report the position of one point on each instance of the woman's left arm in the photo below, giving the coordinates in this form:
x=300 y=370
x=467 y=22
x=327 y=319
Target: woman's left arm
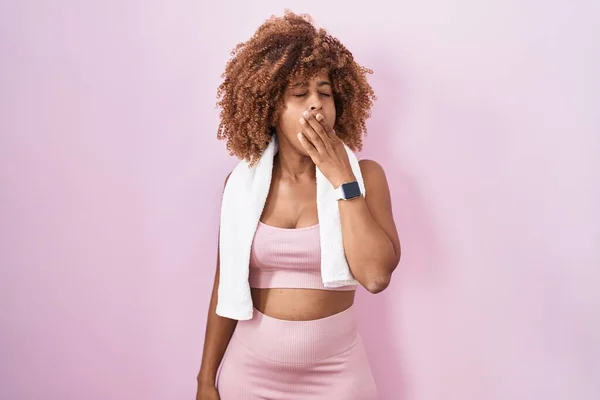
x=369 y=232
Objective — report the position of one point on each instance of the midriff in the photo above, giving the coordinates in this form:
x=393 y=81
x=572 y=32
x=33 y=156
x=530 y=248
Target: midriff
x=301 y=304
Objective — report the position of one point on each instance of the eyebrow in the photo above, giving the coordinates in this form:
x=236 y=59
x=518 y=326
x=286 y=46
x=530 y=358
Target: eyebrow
x=301 y=84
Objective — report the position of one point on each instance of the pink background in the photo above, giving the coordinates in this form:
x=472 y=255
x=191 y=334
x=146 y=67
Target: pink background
x=487 y=124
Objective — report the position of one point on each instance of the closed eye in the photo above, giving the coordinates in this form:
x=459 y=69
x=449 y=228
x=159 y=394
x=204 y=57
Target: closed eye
x=304 y=94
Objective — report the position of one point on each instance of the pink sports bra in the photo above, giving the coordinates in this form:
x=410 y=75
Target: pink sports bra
x=287 y=258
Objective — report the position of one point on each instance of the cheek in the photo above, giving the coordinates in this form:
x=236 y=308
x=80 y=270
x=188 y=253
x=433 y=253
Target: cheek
x=332 y=118
x=330 y=115
x=290 y=119
x=329 y=111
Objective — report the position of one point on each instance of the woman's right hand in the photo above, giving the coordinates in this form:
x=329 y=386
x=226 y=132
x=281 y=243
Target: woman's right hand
x=207 y=393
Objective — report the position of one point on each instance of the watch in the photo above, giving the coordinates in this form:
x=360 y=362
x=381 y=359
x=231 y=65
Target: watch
x=347 y=191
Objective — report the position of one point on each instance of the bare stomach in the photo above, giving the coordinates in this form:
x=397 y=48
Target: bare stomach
x=301 y=304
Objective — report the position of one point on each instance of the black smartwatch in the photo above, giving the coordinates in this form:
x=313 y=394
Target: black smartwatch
x=348 y=190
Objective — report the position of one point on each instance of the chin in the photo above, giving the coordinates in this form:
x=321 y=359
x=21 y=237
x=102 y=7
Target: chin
x=297 y=146
x=302 y=150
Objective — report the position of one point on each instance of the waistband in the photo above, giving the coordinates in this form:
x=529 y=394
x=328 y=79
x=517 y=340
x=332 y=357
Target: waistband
x=296 y=342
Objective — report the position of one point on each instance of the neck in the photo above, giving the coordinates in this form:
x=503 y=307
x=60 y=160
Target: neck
x=292 y=166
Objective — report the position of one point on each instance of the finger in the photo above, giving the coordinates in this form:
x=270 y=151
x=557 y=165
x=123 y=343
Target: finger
x=323 y=121
x=318 y=125
x=312 y=136
x=333 y=136
x=308 y=146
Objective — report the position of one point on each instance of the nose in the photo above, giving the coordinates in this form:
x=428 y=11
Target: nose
x=315 y=104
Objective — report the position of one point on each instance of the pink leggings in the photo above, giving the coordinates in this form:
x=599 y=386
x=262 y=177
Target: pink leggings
x=270 y=358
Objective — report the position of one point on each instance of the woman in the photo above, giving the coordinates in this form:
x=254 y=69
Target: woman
x=297 y=86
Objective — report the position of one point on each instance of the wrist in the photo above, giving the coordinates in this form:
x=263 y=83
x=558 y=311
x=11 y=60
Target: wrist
x=207 y=381
x=344 y=178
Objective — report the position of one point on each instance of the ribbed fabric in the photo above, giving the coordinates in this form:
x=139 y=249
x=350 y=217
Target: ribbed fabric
x=270 y=358
x=287 y=258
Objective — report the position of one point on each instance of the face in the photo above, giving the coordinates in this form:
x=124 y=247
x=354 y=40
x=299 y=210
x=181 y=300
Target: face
x=314 y=95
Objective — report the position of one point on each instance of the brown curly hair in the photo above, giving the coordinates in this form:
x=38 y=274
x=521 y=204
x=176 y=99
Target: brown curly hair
x=261 y=68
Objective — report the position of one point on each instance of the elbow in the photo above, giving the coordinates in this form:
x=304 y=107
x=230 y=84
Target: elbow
x=380 y=280
x=378 y=284
x=378 y=276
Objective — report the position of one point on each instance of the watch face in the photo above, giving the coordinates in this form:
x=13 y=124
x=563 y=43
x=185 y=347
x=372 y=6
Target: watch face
x=351 y=190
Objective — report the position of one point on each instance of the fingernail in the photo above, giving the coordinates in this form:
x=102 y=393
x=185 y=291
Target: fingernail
x=319 y=117
x=306 y=114
x=302 y=121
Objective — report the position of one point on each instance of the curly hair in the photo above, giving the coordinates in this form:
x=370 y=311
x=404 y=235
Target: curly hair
x=260 y=69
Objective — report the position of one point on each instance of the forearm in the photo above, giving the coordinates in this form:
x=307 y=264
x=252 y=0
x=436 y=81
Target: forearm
x=369 y=250
x=217 y=336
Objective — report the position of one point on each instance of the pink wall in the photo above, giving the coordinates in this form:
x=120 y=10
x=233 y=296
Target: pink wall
x=487 y=123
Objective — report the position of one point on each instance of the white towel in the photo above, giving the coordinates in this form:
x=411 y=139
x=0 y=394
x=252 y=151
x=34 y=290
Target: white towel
x=243 y=202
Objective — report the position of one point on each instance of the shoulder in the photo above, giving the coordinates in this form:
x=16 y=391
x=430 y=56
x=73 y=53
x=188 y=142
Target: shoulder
x=370 y=166
x=372 y=172
x=238 y=173
x=226 y=180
